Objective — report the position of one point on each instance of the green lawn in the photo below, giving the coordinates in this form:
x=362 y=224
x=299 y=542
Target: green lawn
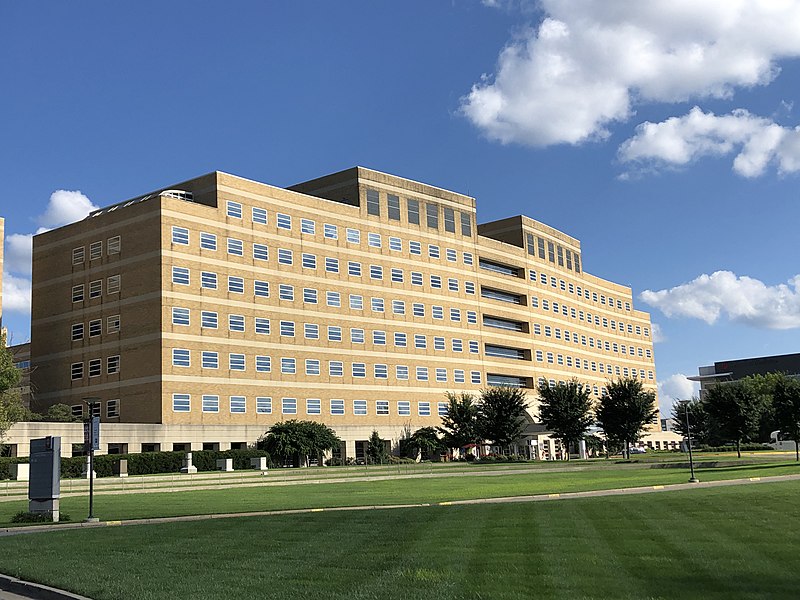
x=400 y=491
x=732 y=542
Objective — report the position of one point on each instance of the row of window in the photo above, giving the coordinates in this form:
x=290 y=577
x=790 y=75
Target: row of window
x=580 y=292
x=95 y=288
x=94 y=367
x=210 y=359
x=589 y=341
x=555 y=253
x=235 y=247
x=112 y=409
x=210 y=403
x=594 y=366
x=94 y=328
x=113 y=246
x=571 y=311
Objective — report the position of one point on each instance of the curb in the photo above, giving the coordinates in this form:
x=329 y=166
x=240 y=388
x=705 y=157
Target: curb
x=35 y=591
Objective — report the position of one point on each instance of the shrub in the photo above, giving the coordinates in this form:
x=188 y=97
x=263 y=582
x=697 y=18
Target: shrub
x=31 y=517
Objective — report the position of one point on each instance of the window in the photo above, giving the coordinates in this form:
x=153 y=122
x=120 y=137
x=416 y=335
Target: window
x=286 y=292
x=77 y=332
x=353 y=236
x=263 y=363
x=437 y=312
x=374 y=240
x=112 y=365
x=414 y=247
x=260 y=252
x=433 y=251
x=459 y=376
x=416 y=278
x=113 y=284
x=466 y=224
x=78 y=255
x=76 y=370
x=422 y=373
x=308 y=226
x=208 y=319
x=436 y=282
x=398 y=307
x=500 y=295
x=400 y=339
x=455 y=314
x=95 y=327
x=401 y=372
x=356 y=335
x=236 y=322
x=311 y=331
x=331 y=232
x=379 y=337
x=180 y=276
x=469 y=287
x=259 y=215
x=261 y=288
x=313 y=406
x=288 y=365
x=263 y=405
x=474 y=347
x=312 y=366
x=381 y=372
x=397 y=275
x=208 y=241
x=412 y=207
x=210 y=404
x=209 y=359
x=359 y=407
x=475 y=377
x=393 y=204
x=335 y=368
x=331 y=264
x=112 y=408
x=472 y=316
x=287 y=329
x=208 y=280
x=236 y=361
x=234 y=210
x=442 y=408
x=180 y=235
x=457 y=345
x=96 y=288
x=333 y=299
x=359 y=370
x=438 y=343
x=181 y=357
x=452 y=284
x=235 y=247
x=503 y=323
x=377 y=305
x=284 y=221
x=373 y=203
x=309 y=295
x=95 y=250
x=375 y=272
x=420 y=341
x=441 y=375
x=449 y=220
x=334 y=333
x=337 y=407
x=418 y=309
x=284 y=256
x=181 y=402
x=396 y=244
x=262 y=325
x=496 y=267
x=404 y=408
x=354 y=269
x=432 y=215
x=424 y=409
x=356 y=302
x=468 y=259
x=289 y=406
x=382 y=407
x=309 y=261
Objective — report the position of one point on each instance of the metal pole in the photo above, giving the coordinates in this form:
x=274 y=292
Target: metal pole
x=692 y=479
x=91 y=402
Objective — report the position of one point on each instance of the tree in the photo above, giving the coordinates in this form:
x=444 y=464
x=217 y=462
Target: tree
x=11 y=408
x=502 y=415
x=566 y=410
x=698 y=420
x=624 y=410
x=297 y=440
x=425 y=441
x=460 y=425
x=376 y=450
x=786 y=402
x=734 y=410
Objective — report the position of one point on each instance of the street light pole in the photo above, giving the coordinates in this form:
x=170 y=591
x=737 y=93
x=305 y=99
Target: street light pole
x=692 y=479
x=90 y=438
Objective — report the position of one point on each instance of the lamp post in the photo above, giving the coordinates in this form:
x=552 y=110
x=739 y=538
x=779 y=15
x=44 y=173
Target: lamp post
x=692 y=479
x=90 y=438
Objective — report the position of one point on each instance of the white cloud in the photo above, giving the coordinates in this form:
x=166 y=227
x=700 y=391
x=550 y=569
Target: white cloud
x=63 y=207
x=741 y=299
x=673 y=388
x=657 y=335
x=16 y=294
x=590 y=61
x=681 y=140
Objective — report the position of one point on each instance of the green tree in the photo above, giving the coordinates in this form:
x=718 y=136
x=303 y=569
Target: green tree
x=786 y=402
x=734 y=410
x=11 y=409
x=566 y=410
x=425 y=441
x=698 y=420
x=297 y=440
x=624 y=410
x=460 y=425
x=376 y=450
x=502 y=415
x=59 y=413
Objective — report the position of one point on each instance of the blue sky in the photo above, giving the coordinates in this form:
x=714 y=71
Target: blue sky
x=661 y=134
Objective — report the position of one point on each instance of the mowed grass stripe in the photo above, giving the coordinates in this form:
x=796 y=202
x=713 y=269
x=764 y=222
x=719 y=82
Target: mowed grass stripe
x=711 y=543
